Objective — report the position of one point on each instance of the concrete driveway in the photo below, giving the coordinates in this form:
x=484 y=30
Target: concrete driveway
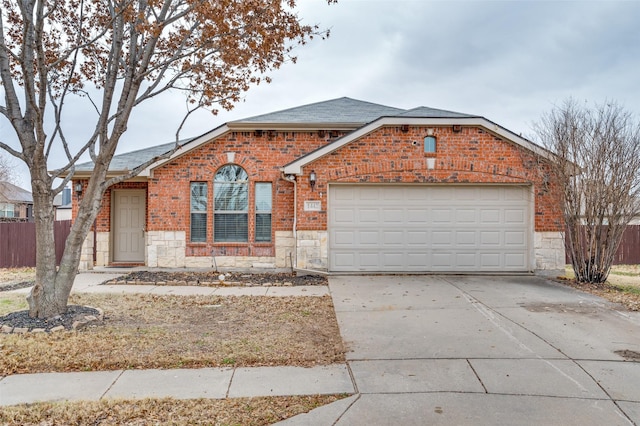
x=470 y=350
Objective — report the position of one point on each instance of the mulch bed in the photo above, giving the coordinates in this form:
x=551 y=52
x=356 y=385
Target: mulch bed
x=16 y=286
x=213 y=279
x=22 y=320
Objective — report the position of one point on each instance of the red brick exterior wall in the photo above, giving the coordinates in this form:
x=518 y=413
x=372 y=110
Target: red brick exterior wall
x=103 y=220
x=261 y=155
x=388 y=155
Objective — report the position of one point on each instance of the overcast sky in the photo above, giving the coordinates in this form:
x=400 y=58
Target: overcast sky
x=509 y=61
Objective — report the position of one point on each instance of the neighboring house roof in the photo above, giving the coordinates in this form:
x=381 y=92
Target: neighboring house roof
x=14 y=194
x=359 y=117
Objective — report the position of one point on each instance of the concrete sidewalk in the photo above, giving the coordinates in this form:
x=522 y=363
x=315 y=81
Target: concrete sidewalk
x=214 y=383
x=90 y=282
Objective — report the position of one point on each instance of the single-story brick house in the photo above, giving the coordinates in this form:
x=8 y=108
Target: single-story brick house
x=16 y=204
x=340 y=186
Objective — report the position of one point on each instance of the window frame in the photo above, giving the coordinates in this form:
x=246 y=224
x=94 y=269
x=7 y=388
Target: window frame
x=220 y=183
x=204 y=212
x=6 y=208
x=432 y=141
x=260 y=237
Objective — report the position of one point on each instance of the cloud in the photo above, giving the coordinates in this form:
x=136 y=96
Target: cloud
x=509 y=61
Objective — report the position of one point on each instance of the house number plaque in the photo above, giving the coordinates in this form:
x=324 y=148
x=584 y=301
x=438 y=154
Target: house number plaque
x=312 y=206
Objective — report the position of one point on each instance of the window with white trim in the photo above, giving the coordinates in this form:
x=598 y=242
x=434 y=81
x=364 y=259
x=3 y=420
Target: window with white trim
x=263 y=212
x=231 y=202
x=198 y=212
x=430 y=145
x=7 y=210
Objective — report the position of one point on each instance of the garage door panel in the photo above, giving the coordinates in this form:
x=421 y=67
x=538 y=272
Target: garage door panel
x=368 y=260
x=442 y=216
x=392 y=216
x=490 y=261
x=393 y=238
x=514 y=238
x=490 y=194
x=417 y=238
x=371 y=238
x=490 y=238
x=343 y=216
x=417 y=260
x=465 y=260
x=429 y=228
x=489 y=216
x=465 y=238
x=515 y=260
x=418 y=216
x=465 y=216
x=368 y=194
x=343 y=259
x=514 y=216
x=343 y=238
x=441 y=238
x=368 y=216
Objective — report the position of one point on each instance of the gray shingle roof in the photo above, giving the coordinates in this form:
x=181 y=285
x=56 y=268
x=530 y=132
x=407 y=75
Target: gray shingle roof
x=345 y=111
x=341 y=110
x=15 y=194
x=426 y=112
x=130 y=160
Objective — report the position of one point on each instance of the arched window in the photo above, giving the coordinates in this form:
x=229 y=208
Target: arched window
x=231 y=195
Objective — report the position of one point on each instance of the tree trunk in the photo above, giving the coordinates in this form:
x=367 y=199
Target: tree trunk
x=48 y=297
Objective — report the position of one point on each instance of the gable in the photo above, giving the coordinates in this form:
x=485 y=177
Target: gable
x=295 y=167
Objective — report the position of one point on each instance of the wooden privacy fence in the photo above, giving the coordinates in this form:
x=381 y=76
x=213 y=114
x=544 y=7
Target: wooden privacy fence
x=629 y=250
x=18 y=243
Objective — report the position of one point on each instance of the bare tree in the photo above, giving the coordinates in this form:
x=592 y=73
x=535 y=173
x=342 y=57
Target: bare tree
x=598 y=171
x=131 y=51
x=7 y=170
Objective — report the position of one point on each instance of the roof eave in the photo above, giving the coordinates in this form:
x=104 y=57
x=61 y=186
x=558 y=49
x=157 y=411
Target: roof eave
x=251 y=126
x=183 y=149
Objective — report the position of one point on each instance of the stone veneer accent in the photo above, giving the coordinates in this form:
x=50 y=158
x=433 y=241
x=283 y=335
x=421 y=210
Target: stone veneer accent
x=312 y=252
x=285 y=249
x=229 y=262
x=166 y=249
x=86 y=254
x=103 y=249
x=549 y=253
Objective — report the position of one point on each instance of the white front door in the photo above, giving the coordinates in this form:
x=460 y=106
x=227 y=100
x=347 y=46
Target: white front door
x=422 y=228
x=128 y=225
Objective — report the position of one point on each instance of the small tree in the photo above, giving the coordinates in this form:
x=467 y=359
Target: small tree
x=131 y=51
x=598 y=171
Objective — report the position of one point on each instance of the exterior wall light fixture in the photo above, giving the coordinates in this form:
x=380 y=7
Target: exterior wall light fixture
x=78 y=188
x=312 y=179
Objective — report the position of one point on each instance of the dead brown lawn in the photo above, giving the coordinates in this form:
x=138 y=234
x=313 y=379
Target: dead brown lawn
x=147 y=331
x=240 y=411
x=12 y=275
x=622 y=285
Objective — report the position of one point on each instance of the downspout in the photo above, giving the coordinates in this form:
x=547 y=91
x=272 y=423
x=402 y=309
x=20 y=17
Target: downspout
x=292 y=179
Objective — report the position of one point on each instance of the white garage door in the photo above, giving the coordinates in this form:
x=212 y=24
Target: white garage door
x=444 y=228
